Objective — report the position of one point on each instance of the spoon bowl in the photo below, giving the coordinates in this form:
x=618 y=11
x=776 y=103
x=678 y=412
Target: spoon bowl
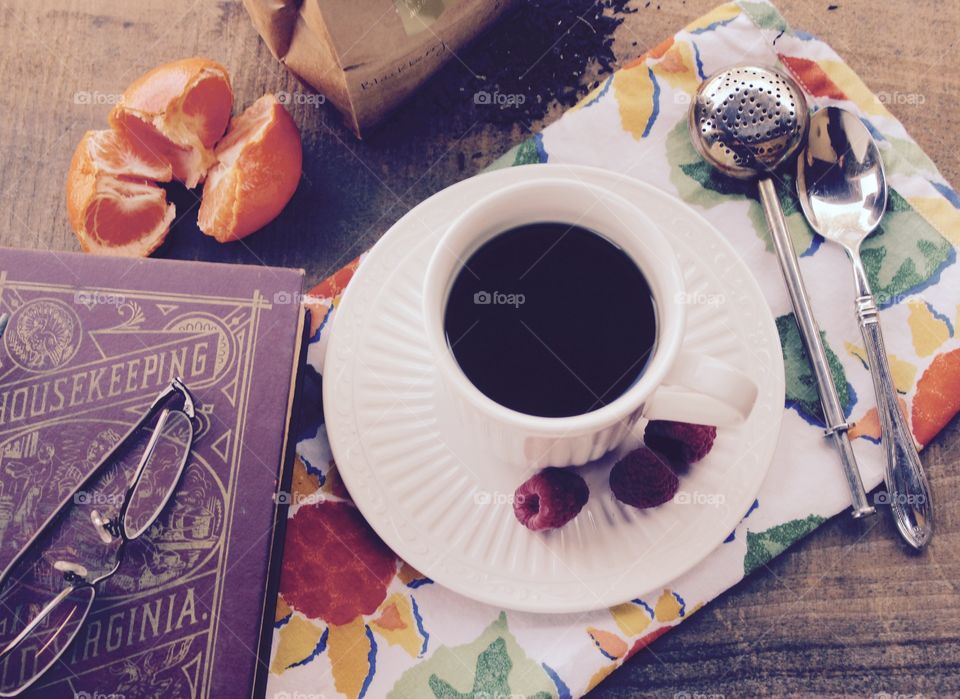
x=840 y=178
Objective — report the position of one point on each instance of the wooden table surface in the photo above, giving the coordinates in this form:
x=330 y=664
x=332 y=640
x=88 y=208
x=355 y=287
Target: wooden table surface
x=847 y=612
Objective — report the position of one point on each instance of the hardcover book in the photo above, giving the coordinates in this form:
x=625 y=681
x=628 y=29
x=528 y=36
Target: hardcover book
x=89 y=343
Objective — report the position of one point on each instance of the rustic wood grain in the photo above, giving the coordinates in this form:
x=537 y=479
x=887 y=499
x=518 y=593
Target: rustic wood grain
x=847 y=612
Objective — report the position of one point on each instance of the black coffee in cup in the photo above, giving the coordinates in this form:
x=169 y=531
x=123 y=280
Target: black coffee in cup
x=550 y=319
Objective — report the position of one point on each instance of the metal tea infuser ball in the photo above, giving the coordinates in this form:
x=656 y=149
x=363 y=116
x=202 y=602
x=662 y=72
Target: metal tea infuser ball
x=746 y=121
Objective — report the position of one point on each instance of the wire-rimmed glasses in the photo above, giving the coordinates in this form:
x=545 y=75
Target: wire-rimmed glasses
x=48 y=589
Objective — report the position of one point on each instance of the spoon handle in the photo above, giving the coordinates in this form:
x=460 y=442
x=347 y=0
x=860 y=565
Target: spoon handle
x=908 y=491
x=813 y=344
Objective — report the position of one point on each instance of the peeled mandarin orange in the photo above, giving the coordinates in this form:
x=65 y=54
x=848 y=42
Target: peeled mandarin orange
x=178 y=111
x=259 y=165
x=169 y=125
x=113 y=203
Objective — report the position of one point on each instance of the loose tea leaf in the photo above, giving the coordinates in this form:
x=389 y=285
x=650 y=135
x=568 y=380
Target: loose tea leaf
x=540 y=54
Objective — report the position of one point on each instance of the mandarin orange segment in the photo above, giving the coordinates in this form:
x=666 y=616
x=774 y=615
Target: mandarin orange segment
x=114 y=206
x=188 y=164
x=260 y=161
x=178 y=111
x=113 y=153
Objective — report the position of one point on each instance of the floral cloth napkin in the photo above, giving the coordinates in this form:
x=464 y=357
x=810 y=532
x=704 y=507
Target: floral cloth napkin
x=353 y=620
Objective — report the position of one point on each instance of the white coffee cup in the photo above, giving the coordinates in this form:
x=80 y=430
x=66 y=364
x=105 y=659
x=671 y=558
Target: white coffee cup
x=677 y=384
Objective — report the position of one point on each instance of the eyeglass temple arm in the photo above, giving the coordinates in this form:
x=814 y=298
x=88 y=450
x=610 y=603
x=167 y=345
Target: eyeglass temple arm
x=175 y=387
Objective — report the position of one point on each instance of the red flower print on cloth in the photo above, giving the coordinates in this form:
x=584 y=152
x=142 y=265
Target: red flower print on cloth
x=335 y=568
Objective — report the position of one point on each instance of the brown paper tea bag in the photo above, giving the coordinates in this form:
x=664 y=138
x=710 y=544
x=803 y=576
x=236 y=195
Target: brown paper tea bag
x=365 y=56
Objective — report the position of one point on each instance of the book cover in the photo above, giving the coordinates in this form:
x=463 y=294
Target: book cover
x=89 y=343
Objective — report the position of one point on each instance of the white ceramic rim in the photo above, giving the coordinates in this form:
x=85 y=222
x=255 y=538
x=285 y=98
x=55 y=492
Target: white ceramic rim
x=651 y=252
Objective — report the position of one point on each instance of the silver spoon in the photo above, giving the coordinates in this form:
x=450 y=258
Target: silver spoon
x=843 y=192
x=746 y=121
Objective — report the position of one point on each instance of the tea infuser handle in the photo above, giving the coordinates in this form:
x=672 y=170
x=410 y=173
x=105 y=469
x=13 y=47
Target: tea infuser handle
x=833 y=415
x=703 y=390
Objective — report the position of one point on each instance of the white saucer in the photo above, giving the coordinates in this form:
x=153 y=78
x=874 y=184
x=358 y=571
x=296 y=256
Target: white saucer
x=443 y=505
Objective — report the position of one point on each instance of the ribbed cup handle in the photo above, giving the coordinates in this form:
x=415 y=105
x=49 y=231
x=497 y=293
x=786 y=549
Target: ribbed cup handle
x=703 y=390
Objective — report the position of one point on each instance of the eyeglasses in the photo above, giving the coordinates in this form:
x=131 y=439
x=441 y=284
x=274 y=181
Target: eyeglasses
x=48 y=589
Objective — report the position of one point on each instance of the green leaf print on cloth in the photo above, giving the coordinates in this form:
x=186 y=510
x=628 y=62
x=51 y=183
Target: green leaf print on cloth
x=528 y=152
x=801 y=383
x=765 y=16
x=765 y=545
x=904 y=262
x=699 y=183
x=903 y=156
x=493 y=668
x=502 y=670
x=531 y=152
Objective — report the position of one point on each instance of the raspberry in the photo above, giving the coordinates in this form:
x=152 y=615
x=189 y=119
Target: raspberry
x=680 y=441
x=643 y=479
x=550 y=499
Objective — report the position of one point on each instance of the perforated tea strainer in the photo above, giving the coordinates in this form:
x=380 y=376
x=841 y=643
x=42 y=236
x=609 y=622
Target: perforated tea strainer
x=746 y=121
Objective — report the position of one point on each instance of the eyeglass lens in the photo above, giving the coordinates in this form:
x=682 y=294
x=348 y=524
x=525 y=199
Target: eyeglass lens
x=38 y=649
x=165 y=463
